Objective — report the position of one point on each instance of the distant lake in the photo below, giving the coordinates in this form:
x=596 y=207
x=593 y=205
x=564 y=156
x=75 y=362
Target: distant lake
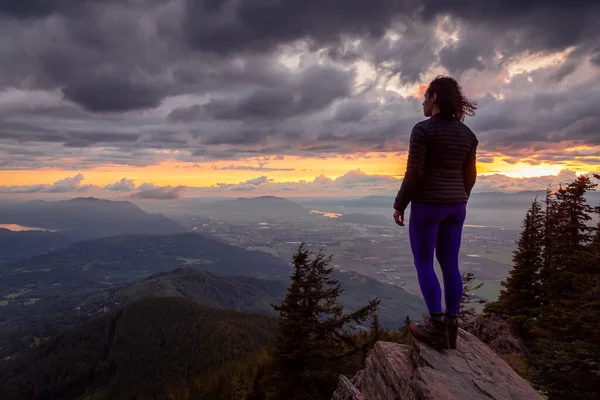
x=20 y=228
x=326 y=214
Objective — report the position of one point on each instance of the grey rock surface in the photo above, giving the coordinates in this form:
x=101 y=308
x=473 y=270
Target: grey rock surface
x=417 y=372
x=494 y=331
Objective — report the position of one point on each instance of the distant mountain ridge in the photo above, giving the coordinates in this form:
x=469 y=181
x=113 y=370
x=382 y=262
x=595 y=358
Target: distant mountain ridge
x=504 y=199
x=88 y=217
x=115 y=260
x=263 y=206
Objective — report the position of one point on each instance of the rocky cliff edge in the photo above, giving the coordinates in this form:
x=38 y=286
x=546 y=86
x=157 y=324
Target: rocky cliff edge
x=417 y=372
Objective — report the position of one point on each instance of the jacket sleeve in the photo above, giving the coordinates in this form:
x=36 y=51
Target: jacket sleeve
x=470 y=169
x=417 y=151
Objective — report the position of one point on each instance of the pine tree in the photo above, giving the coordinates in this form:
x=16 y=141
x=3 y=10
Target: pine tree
x=311 y=343
x=466 y=312
x=568 y=239
x=405 y=330
x=519 y=301
x=376 y=329
x=566 y=357
x=376 y=333
x=548 y=251
x=257 y=386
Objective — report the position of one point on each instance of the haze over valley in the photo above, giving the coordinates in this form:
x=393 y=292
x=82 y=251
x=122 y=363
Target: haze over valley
x=86 y=248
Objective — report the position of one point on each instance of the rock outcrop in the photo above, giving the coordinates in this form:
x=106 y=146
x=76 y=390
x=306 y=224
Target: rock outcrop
x=494 y=331
x=417 y=372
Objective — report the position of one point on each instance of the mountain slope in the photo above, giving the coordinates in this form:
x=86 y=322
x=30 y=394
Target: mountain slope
x=88 y=217
x=152 y=349
x=24 y=244
x=255 y=295
x=396 y=303
x=102 y=262
x=23 y=323
x=239 y=293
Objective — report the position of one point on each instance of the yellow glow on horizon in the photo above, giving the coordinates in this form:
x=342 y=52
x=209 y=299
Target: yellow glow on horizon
x=210 y=173
x=288 y=169
x=524 y=169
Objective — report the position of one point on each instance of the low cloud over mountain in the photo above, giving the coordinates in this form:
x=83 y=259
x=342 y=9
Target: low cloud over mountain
x=353 y=183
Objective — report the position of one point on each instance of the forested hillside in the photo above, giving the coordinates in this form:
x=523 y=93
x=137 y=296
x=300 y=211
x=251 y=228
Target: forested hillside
x=23 y=324
x=156 y=348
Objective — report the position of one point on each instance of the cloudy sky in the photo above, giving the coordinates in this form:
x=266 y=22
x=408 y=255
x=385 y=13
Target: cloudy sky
x=168 y=98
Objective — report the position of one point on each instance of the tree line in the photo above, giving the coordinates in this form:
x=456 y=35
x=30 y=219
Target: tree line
x=552 y=295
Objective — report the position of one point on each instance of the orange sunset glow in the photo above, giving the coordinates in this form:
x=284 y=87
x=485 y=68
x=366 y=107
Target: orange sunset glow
x=287 y=169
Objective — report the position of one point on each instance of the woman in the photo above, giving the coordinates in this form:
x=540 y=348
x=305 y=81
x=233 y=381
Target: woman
x=439 y=177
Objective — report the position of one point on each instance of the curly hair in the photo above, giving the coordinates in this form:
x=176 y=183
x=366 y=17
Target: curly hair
x=450 y=98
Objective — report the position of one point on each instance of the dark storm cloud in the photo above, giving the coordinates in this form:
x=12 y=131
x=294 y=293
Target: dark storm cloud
x=541 y=119
x=227 y=26
x=314 y=89
x=465 y=55
x=27 y=8
x=106 y=59
x=136 y=79
x=113 y=94
x=29 y=132
x=529 y=24
x=352 y=110
x=260 y=104
x=240 y=137
x=186 y=114
x=208 y=153
x=101 y=56
x=511 y=27
x=407 y=58
x=39 y=8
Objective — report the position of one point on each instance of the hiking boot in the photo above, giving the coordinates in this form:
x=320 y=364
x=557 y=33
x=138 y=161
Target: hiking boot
x=433 y=332
x=452 y=330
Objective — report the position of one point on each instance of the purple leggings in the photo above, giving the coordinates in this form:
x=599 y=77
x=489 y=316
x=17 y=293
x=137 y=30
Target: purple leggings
x=439 y=227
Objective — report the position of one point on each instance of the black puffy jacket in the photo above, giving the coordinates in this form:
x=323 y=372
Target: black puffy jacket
x=441 y=163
